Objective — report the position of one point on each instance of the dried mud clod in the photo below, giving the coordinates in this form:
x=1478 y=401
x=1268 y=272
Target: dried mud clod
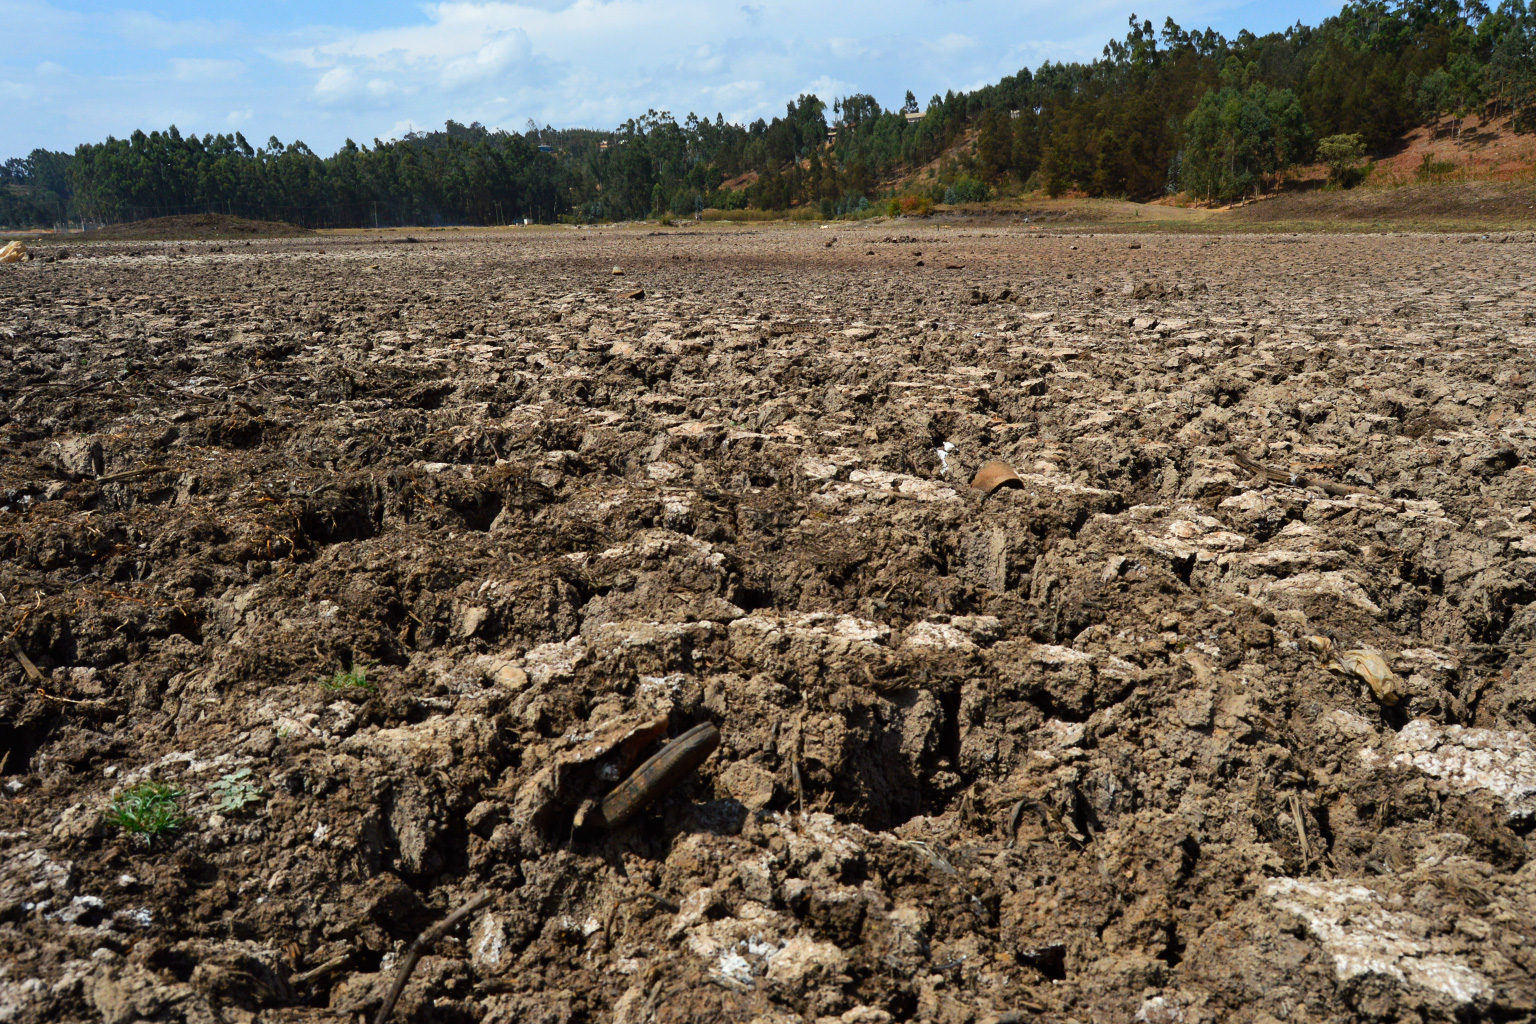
x=396 y=572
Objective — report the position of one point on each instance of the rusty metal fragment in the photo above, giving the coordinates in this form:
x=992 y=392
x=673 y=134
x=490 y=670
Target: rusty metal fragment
x=663 y=771
x=994 y=475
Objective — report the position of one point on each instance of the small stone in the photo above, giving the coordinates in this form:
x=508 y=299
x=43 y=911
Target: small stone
x=747 y=783
x=510 y=676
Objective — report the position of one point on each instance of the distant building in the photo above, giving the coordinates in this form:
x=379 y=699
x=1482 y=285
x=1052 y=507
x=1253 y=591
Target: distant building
x=603 y=144
x=1014 y=114
x=546 y=149
x=915 y=115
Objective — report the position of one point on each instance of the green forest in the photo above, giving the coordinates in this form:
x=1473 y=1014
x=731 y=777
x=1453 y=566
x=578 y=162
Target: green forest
x=1162 y=111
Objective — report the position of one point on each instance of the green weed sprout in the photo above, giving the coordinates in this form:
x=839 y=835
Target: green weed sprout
x=235 y=791
x=355 y=678
x=147 y=810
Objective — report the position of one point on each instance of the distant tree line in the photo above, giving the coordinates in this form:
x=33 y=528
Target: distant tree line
x=1160 y=111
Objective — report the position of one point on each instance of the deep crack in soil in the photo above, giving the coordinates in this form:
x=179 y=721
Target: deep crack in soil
x=1087 y=749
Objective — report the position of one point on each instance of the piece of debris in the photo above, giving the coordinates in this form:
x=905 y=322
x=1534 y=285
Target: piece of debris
x=14 y=252
x=1265 y=475
x=424 y=942
x=663 y=771
x=993 y=475
x=617 y=271
x=1363 y=663
x=25 y=662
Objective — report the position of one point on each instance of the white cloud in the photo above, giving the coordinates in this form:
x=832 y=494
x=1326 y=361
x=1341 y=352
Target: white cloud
x=336 y=84
x=495 y=57
x=138 y=28
x=206 y=69
x=953 y=42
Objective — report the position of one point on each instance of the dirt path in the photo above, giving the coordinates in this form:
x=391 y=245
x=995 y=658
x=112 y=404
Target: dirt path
x=1091 y=749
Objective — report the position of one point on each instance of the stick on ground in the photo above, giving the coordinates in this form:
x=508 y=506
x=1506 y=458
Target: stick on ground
x=1276 y=476
x=26 y=663
x=423 y=943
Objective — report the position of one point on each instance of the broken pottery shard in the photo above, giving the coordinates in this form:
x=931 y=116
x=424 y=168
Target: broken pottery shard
x=659 y=774
x=638 y=293
x=994 y=475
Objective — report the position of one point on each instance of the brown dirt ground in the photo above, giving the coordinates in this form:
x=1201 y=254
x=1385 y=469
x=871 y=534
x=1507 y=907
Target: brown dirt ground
x=1486 y=149
x=1455 y=206
x=1067 y=753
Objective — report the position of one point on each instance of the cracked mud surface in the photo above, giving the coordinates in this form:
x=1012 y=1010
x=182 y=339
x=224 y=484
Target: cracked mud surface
x=1071 y=752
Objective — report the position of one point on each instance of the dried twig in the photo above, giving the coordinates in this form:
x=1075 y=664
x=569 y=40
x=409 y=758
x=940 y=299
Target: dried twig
x=423 y=942
x=26 y=662
x=130 y=474
x=70 y=700
x=326 y=968
x=1301 y=832
x=1276 y=476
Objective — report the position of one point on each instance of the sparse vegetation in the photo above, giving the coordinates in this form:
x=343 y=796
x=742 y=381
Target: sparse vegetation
x=354 y=678
x=1430 y=169
x=147 y=810
x=235 y=792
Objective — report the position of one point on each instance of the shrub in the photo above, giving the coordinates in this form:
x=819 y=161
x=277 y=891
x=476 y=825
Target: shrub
x=1344 y=155
x=916 y=206
x=967 y=190
x=147 y=810
x=1429 y=168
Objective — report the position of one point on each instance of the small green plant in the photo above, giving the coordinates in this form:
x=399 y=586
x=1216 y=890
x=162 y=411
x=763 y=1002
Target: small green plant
x=354 y=678
x=235 y=791
x=1430 y=169
x=147 y=810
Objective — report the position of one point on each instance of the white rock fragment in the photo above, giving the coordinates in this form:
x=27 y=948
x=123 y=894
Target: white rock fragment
x=962 y=633
x=1354 y=926
x=878 y=481
x=488 y=941
x=1502 y=763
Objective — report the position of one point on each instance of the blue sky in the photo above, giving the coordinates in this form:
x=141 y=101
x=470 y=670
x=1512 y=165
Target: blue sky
x=73 y=72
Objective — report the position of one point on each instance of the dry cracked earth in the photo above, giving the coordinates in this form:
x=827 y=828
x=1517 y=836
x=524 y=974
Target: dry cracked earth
x=1149 y=737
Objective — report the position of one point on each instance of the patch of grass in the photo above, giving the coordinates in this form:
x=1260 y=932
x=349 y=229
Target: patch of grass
x=747 y=216
x=235 y=791
x=147 y=810
x=354 y=678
